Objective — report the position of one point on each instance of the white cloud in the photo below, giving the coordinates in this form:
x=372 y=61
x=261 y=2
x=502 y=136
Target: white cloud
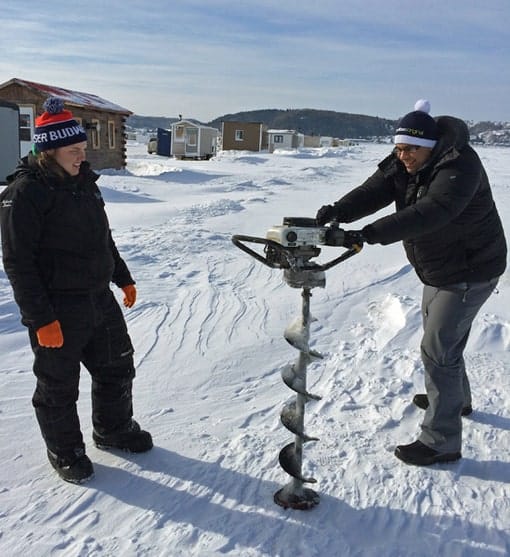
x=216 y=56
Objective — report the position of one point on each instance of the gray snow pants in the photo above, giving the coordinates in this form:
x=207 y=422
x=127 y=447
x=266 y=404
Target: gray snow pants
x=448 y=313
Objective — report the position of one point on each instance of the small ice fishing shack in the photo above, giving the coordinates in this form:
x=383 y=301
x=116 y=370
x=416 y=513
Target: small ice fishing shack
x=191 y=140
x=9 y=138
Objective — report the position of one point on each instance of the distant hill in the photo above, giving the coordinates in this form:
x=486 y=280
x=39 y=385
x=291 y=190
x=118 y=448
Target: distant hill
x=325 y=123
x=315 y=122
x=149 y=122
x=307 y=121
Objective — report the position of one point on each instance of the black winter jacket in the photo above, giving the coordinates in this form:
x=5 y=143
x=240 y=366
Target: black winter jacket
x=55 y=239
x=445 y=214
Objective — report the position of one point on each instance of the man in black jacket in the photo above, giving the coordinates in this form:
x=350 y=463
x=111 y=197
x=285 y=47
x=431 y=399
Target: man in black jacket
x=60 y=258
x=453 y=236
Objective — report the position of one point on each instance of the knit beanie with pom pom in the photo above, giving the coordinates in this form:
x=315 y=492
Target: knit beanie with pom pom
x=56 y=127
x=417 y=127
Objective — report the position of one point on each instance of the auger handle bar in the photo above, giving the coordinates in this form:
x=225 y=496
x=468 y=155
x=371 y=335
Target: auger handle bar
x=288 y=254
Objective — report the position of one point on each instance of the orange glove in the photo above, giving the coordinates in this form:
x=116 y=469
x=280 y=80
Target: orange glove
x=50 y=336
x=129 y=295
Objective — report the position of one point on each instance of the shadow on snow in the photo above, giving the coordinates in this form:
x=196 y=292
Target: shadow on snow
x=255 y=521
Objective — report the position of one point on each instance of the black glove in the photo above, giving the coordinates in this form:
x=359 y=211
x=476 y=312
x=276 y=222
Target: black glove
x=325 y=214
x=353 y=238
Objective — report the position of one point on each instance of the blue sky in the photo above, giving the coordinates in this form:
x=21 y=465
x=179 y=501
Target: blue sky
x=207 y=58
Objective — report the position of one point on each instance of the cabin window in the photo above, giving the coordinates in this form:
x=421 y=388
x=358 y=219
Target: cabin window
x=191 y=136
x=239 y=135
x=278 y=139
x=179 y=133
x=111 y=134
x=94 y=133
x=25 y=127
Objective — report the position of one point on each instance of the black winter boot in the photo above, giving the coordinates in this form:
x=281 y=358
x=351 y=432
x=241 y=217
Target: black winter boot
x=75 y=469
x=420 y=455
x=422 y=401
x=132 y=439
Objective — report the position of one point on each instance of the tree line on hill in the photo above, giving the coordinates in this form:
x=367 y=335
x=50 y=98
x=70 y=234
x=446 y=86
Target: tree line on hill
x=324 y=123
x=316 y=122
x=306 y=121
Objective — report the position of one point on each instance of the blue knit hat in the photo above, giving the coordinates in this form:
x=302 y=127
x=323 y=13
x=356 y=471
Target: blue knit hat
x=418 y=127
x=56 y=127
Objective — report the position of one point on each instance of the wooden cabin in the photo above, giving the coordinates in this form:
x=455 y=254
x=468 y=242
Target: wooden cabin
x=103 y=120
x=244 y=136
x=191 y=140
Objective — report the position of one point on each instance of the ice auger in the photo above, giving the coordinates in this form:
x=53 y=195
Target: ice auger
x=290 y=247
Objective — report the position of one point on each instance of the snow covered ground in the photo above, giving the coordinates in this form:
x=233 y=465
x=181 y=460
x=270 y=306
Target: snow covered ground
x=208 y=331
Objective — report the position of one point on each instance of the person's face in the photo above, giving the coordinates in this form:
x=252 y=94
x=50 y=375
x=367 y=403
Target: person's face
x=413 y=157
x=71 y=157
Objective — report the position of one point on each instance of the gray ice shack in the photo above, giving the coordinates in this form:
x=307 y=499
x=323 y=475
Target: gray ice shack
x=9 y=139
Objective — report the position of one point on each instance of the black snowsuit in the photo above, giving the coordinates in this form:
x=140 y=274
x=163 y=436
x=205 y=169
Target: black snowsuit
x=60 y=258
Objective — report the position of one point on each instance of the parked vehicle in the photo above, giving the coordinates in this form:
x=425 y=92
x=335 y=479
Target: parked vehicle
x=152 y=146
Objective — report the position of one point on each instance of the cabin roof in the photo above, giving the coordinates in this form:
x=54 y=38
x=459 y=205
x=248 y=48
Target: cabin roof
x=73 y=98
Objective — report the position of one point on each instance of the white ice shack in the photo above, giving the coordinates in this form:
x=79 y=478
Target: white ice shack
x=9 y=138
x=191 y=140
x=282 y=139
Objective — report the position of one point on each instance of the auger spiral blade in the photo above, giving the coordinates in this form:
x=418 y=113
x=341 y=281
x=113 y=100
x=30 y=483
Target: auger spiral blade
x=296 y=382
x=290 y=419
x=297 y=335
x=290 y=461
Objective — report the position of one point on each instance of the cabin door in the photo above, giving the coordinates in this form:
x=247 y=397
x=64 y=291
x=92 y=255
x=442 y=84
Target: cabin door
x=191 y=141
x=26 y=129
x=9 y=139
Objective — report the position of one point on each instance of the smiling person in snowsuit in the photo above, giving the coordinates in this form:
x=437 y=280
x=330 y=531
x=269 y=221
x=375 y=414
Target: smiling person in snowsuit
x=60 y=258
x=453 y=237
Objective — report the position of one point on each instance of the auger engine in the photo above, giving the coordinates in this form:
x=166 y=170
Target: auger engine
x=291 y=247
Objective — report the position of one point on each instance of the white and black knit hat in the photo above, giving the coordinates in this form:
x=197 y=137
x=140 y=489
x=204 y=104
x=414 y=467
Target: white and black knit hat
x=417 y=127
x=56 y=127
